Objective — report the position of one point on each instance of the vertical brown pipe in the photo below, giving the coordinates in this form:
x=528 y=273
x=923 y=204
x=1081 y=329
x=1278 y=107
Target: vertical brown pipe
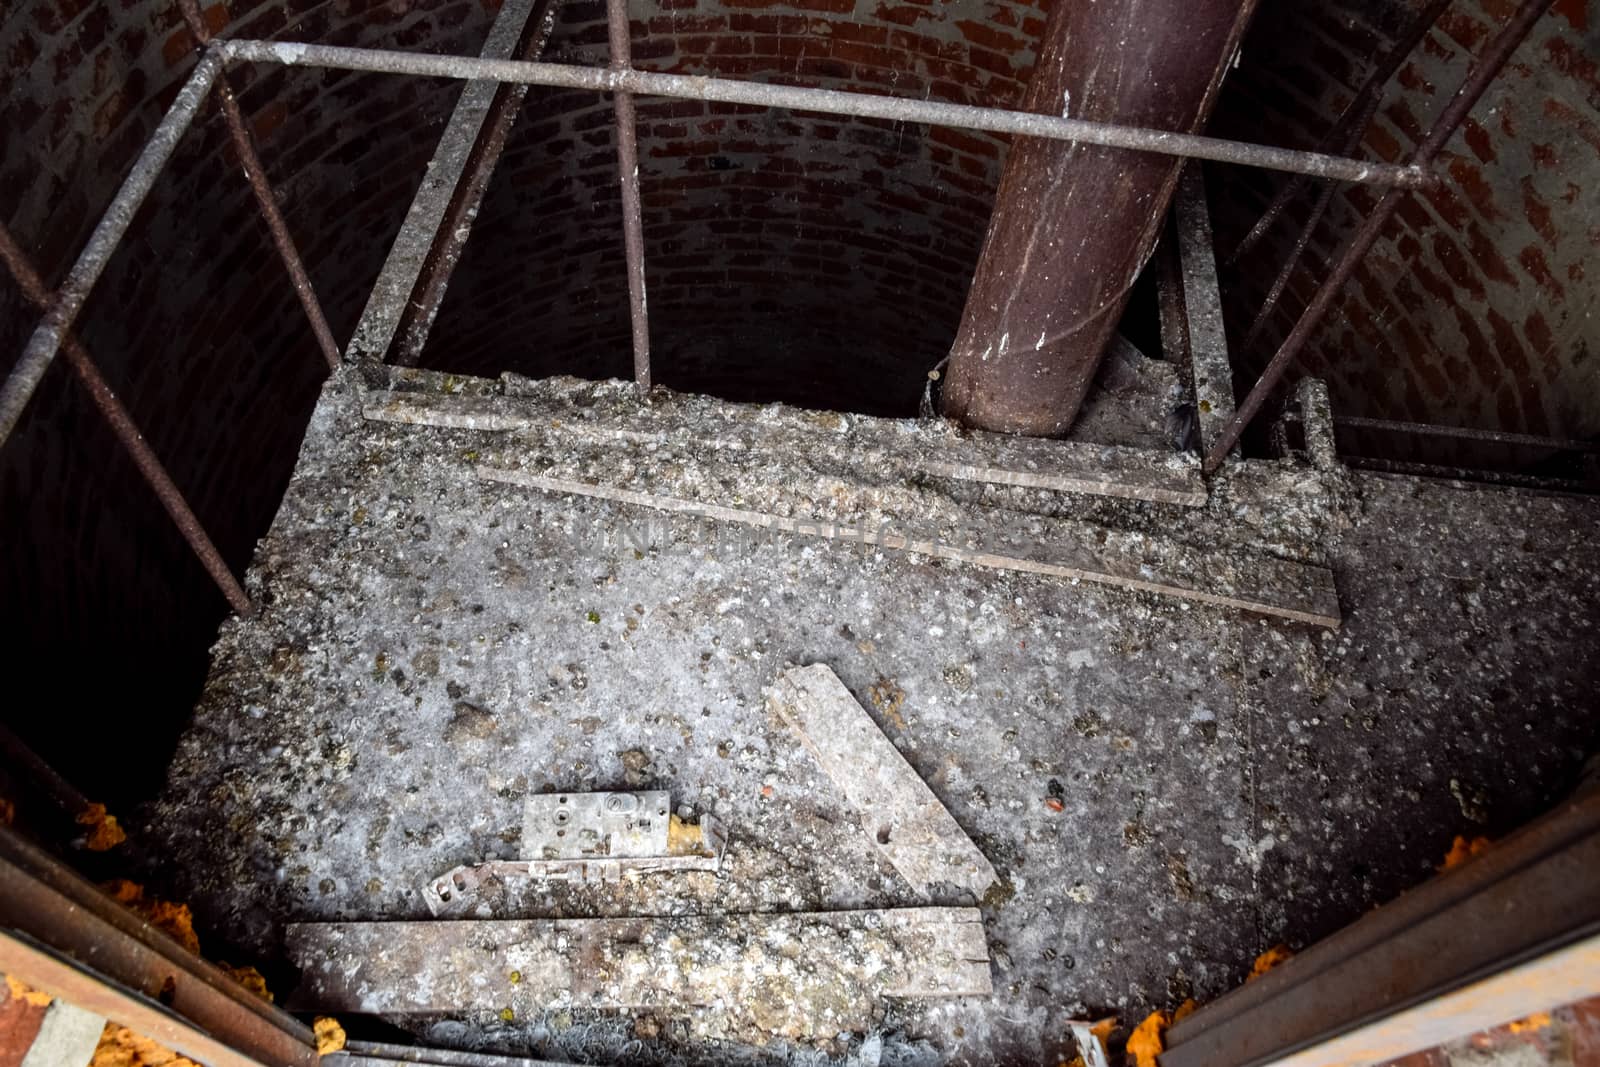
x=628 y=173
x=1074 y=223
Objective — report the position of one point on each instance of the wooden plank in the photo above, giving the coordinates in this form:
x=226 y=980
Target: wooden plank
x=907 y=823
x=1209 y=365
x=996 y=459
x=779 y=962
x=1130 y=561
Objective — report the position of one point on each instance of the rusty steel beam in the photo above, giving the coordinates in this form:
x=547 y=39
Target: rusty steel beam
x=127 y=433
x=1480 y=945
x=428 y=245
x=102 y=244
x=416 y=318
x=244 y=147
x=1074 y=223
x=620 y=33
x=1478 y=79
x=829 y=102
x=61 y=934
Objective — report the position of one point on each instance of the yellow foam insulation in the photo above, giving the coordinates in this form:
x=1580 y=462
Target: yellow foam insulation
x=104 y=833
x=121 y=1047
x=26 y=993
x=1268 y=960
x=1147 y=1040
x=1539 y=1020
x=1186 y=1009
x=684 y=838
x=329 y=1034
x=250 y=978
x=1462 y=850
x=176 y=920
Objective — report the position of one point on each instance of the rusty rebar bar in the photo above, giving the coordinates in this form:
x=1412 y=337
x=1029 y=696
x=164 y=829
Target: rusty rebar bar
x=1286 y=270
x=1478 y=79
x=127 y=432
x=1350 y=131
x=244 y=147
x=455 y=226
x=620 y=33
x=102 y=244
x=829 y=101
x=1351 y=128
x=1464 y=433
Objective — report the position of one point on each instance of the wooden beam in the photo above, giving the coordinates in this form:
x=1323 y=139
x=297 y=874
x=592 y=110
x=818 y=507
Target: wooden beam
x=901 y=815
x=995 y=459
x=1129 y=561
x=784 y=961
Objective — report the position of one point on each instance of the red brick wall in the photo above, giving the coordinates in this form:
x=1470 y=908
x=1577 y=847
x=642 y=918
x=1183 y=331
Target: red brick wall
x=193 y=323
x=817 y=259
x=1477 y=306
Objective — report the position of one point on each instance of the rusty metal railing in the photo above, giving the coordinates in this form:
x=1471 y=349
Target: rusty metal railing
x=62 y=308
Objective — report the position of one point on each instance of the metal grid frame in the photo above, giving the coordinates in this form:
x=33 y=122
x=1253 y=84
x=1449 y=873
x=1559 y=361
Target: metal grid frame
x=61 y=309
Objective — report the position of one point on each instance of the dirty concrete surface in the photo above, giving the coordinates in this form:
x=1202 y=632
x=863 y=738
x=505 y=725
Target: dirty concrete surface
x=1164 y=789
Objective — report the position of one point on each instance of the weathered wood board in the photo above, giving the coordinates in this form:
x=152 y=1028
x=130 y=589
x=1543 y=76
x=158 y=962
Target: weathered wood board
x=997 y=459
x=907 y=823
x=792 y=972
x=1271 y=586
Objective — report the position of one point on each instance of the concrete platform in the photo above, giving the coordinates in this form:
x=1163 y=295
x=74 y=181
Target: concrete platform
x=1165 y=788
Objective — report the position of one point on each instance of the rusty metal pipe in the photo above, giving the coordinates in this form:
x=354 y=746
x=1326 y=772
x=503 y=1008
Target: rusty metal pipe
x=828 y=101
x=244 y=147
x=1073 y=224
x=70 y=298
x=1478 y=79
x=628 y=174
x=127 y=433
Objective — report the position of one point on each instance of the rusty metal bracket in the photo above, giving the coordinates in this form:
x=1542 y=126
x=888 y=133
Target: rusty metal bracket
x=588 y=837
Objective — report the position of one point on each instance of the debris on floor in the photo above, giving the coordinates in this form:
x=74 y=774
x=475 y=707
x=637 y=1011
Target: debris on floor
x=250 y=978
x=1269 y=959
x=1091 y=1041
x=104 y=833
x=174 y=920
x=1135 y=767
x=797 y=975
x=910 y=827
x=1148 y=1039
x=122 y=1047
x=589 y=837
x=329 y=1034
x=1462 y=849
